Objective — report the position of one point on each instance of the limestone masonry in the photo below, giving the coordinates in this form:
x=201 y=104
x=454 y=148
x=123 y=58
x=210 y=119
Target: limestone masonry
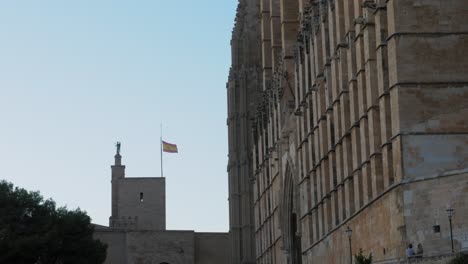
x=348 y=113
x=137 y=228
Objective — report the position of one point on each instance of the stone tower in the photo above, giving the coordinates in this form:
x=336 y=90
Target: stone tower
x=137 y=203
x=137 y=228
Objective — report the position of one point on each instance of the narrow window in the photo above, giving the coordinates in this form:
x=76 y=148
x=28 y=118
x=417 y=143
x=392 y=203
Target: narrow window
x=141 y=197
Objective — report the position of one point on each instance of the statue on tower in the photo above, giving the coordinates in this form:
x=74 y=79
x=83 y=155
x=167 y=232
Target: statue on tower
x=118 y=144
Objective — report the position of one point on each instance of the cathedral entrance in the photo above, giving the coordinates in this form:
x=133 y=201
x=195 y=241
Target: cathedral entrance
x=291 y=232
x=296 y=241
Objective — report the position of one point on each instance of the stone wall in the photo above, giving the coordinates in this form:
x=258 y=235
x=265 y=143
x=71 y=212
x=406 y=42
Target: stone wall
x=212 y=248
x=116 y=244
x=148 y=213
x=243 y=90
x=425 y=204
x=443 y=259
x=362 y=123
x=173 y=247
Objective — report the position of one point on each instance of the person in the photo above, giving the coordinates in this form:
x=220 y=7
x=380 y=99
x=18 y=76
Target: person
x=410 y=251
x=419 y=250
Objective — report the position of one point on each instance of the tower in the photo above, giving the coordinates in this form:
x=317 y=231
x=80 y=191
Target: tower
x=118 y=173
x=137 y=227
x=138 y=203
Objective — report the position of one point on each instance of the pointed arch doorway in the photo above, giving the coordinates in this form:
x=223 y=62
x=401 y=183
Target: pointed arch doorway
x=289 y=216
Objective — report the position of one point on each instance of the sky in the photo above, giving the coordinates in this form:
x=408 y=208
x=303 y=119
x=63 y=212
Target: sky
x=77 y=76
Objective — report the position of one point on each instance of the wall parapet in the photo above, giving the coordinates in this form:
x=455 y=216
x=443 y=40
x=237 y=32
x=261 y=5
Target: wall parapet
x=441 y=259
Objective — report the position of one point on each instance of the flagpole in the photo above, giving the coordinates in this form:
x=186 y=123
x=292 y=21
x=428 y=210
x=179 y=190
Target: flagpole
x=161 y=148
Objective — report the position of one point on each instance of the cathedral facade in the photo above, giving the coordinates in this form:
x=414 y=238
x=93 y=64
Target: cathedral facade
x=348 y=130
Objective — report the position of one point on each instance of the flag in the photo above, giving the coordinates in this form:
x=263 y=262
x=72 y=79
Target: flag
x=168 y=147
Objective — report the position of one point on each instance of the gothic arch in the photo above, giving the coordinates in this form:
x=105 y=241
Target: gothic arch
x=289 y=220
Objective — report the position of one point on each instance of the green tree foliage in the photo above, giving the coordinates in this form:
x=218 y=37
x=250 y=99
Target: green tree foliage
x=34 y=230
x=362 y=259
x=460 y=259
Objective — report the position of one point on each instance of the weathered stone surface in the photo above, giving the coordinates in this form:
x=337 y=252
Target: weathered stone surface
x=148 y=213
x=363 y=123
x=425 y=204
x=211 y=248
x=159 y=247
x=247 y=77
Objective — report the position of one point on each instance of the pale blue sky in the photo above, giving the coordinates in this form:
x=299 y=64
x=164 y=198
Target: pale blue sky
x=78 y=75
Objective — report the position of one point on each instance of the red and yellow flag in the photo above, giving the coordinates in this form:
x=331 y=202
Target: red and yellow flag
x=170 y=148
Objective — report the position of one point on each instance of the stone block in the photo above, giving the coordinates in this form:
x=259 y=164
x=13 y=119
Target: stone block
x=327 y=215
x=366 y=182
x=306 y=232
x=305 y=199
x=339 y=163
x=356 y=147
x=428 y=155
x=333 y=209
x=358 y=181
x=325 y=169
x=375 y=141
x=385 y=118
x=170 y=247
x=377 y=174
x=347 y=157
x=371 y=83
x=338 y=131
x=364 y=134
x=387 y=165
x=351 y=56
x=382 y=70
x=349 y=196
x=428 y=59
x=267 y=57
x=362 y=93
x=344 y=113
x=354 y=102
x=425 y=205
x=343 y=78
x=341 y=202
x=360 y=57
x=332 y=173
x=348 y=7
x=211 y=248
x=427 y=16
x=431 y=108
x=144 y=198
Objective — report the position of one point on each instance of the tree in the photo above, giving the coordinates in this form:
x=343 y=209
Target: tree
x=460 y=259
x=34 y=230
x=362 y=259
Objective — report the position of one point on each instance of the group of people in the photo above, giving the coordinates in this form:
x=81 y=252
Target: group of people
x=410 y=251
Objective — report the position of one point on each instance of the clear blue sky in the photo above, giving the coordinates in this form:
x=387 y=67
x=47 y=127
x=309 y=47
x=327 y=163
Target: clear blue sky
x=77 y=76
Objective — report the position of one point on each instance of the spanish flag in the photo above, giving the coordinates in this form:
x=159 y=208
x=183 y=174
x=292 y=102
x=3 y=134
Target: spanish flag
x=170 y=148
